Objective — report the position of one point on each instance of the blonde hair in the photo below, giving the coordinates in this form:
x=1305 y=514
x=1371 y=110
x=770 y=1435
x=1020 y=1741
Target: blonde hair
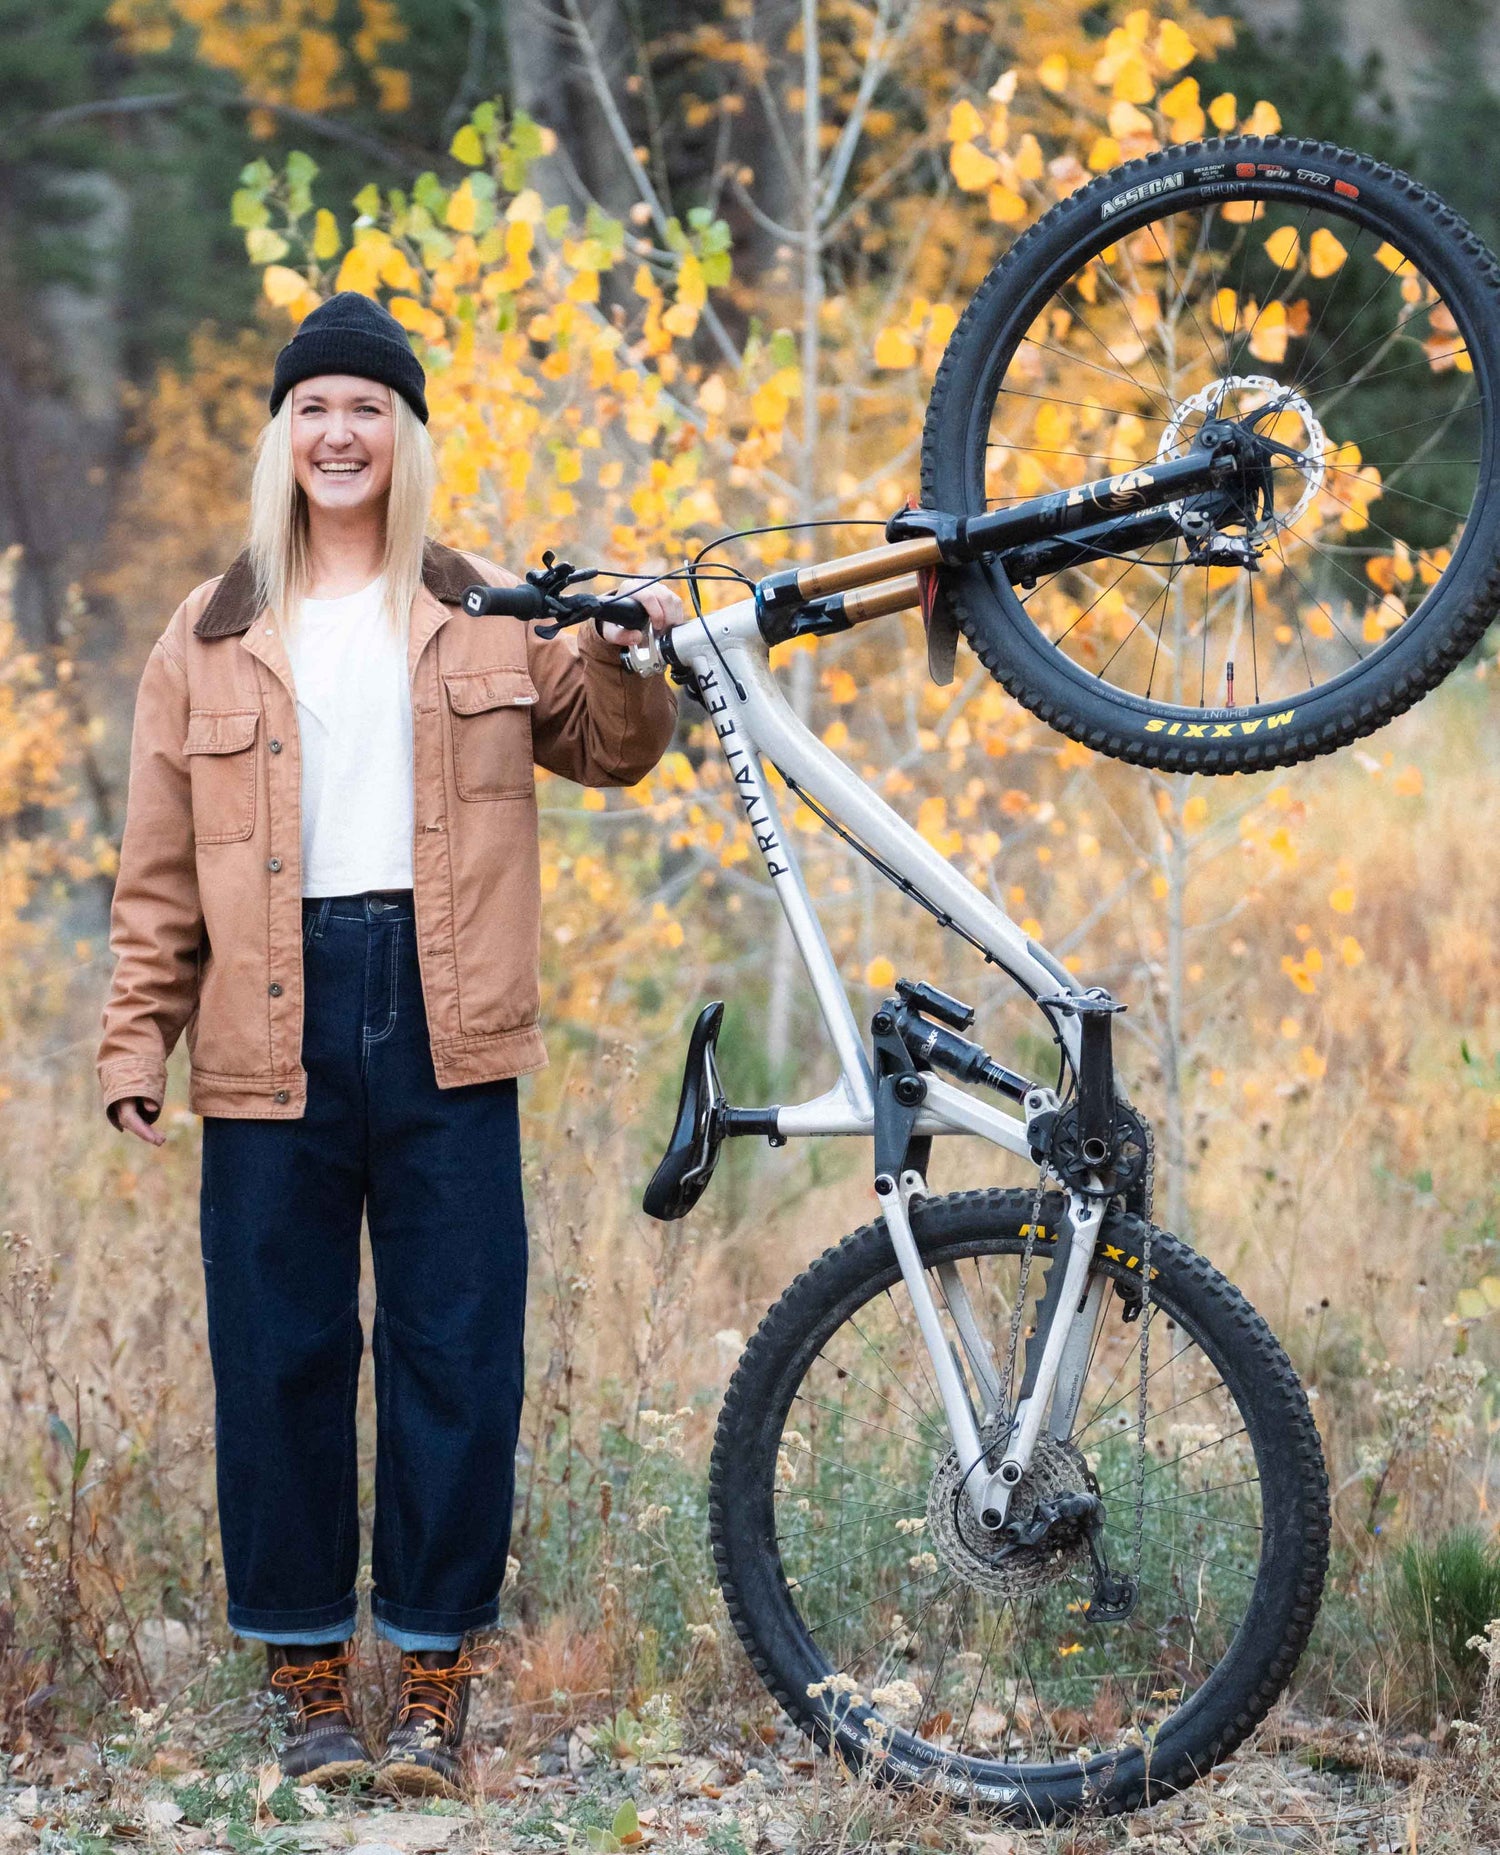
x=278 y=531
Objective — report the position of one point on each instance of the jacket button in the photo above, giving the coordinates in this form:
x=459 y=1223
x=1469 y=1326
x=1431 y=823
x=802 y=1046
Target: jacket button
x=281 y=1095
x=276 y=747
x=275 y=989
x=274 y=864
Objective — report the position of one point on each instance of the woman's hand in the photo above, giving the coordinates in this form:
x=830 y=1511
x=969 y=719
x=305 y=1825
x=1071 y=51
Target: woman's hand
x=660 y=601
x=133 y=1121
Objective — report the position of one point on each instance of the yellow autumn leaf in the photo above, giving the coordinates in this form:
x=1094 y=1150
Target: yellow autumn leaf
x=971 y=168
x=880 y=973
x=964 y=122
x=841 y=686
x=1268 y=343
x=1173 y=46
x=1341 y=899
x=1029 y=162
x=1195 y=812
x=282 y=286
x=1324 y=253
x=1134 y=82
x=894 y=348
x=1222 y=111
x=1350 y=951
x=463 y=209
x=1393 y=261
x=1052 y=73
x=1264 y=119
x=466 y=146
x=1104 y=154
x=1408 y=782
x=1283 y=247
x=1180 y=98
x=1310 y=1064
x=327 y=241
x=1006 y=207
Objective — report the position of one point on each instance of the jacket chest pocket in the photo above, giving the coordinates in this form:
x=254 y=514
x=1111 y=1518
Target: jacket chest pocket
x=489 y=717
x=222 y=769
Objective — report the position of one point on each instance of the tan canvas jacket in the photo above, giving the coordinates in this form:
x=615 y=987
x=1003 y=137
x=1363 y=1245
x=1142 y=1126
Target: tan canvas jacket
x=206 y=923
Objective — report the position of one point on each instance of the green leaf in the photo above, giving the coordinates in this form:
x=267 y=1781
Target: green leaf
x=1471 y=1304
x=716 y=269
x=62 y=1434
x=367 y=201
x=784 y=347
x=603 y=1840
x=699 y=218
x=80 y=1463
x=676 y=238
x=556 y=220
x=430 y=193
x=256 y=174
x=247 y=208
x=483 y=117
x=301 y=169
x=627 y=1820
x=264 y=245
x=525 y=136
x=466 y=146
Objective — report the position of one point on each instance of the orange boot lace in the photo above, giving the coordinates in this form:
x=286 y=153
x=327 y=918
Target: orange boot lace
x=436 y=1692
x=316 y=1689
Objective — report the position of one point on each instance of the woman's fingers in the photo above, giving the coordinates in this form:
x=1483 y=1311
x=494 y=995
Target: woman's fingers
x=132 y=1121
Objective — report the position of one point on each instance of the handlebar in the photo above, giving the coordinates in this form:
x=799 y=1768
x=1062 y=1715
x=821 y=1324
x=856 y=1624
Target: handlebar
x=529 y=602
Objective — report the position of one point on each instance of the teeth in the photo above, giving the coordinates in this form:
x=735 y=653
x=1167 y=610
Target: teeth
x=340 y=470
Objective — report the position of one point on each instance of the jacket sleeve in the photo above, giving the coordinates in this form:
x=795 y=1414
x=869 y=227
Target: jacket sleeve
x=595 y=721
x=156 y=920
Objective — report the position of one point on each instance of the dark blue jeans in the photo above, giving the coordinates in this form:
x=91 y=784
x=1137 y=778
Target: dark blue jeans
x=438 y=1172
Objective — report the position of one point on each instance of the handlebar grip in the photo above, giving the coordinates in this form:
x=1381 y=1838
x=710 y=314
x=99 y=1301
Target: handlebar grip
x=628 y=613
x=504 y=601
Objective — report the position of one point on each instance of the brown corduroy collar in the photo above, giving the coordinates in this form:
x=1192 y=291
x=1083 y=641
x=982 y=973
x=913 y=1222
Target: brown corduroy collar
x=232 y=609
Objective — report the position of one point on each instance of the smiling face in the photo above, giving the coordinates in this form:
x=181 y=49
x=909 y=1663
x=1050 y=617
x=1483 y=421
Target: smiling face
x=343 y=439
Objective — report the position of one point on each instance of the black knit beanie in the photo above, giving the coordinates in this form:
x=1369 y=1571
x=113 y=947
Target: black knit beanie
x=352 y=334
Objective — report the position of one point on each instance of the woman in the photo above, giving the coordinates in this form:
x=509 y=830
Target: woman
x=329 y=879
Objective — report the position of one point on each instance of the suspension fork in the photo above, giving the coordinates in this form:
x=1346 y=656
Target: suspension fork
x=1076 y=1308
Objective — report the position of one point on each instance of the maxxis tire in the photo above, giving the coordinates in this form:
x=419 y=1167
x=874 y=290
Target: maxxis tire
x=1264 y=1653
x=1042 y=679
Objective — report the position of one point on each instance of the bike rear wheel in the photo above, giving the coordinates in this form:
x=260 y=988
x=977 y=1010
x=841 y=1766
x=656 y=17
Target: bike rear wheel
x=1357 y=320
x=882 y=1632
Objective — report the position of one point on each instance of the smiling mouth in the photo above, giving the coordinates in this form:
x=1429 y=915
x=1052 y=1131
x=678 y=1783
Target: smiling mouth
x=340 y=469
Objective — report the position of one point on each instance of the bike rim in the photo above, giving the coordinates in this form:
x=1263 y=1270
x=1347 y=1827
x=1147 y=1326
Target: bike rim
x=1320 y=307
x=919 y=1664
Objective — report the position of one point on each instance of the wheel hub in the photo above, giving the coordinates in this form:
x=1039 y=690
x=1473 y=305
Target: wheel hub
x=984 y=1560
x=1243 y=397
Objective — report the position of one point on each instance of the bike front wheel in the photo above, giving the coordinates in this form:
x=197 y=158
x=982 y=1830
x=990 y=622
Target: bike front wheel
x=1348 y=317
x=880 y=1618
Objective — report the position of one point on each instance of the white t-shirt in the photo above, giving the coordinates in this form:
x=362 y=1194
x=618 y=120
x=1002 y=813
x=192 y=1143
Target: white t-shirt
x=354 y=719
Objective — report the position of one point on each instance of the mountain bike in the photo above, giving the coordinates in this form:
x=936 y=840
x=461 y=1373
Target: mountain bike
x=1012 y=1493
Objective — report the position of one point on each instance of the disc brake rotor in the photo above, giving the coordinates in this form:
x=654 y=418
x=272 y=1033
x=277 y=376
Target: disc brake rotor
x=1221 y=399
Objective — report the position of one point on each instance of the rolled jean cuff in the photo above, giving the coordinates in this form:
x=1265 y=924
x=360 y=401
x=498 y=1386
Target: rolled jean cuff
x=402 y=1625
x=328 y=1623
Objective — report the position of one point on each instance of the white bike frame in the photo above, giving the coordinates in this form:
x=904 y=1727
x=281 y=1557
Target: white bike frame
x=730 y=662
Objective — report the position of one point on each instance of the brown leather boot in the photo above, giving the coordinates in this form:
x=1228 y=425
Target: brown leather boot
x=422 y=1751
x=322 y=1743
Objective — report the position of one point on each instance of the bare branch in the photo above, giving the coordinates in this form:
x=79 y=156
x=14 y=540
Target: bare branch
x=411 y=162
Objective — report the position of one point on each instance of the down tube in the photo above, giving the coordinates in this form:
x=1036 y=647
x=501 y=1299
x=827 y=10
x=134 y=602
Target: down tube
x=776 y=731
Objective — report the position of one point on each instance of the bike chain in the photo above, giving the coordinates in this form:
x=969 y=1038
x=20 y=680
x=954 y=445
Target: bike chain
x=1016 y=1312
x=1142 y=1399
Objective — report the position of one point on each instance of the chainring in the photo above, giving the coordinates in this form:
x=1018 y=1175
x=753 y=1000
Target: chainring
x=970 y=1551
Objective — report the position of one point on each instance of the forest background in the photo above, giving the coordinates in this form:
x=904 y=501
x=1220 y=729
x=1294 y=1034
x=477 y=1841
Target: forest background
x=673 y=271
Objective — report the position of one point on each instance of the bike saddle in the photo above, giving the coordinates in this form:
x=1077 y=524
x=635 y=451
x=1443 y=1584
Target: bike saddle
x=688 y=1163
